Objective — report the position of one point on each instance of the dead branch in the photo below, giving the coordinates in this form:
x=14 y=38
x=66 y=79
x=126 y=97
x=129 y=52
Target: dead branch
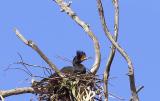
x=35 y=47
x=16 y=91
x=122 y=52
x=66 y=8
x=26 y=65
x=113 y=50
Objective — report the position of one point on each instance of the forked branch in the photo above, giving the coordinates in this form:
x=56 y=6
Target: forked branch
x=113 y=50
x=35 y=47
x=65 y=8
x=121 y=50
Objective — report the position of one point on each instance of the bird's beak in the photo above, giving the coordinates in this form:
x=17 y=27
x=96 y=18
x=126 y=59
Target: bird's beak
x=84 y=58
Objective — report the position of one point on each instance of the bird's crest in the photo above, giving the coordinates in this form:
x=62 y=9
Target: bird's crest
x=81 y=55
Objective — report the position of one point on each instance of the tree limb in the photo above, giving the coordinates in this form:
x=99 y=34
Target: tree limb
x=65 y=8
x=35 y=47
x=113 y=50
x=122 y=52
x=16 y=91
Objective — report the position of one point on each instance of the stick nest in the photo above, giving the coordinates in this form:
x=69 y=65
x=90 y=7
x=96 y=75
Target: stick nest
x=77 y=87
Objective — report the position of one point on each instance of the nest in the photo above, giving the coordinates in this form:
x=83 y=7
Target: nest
x=77 y=87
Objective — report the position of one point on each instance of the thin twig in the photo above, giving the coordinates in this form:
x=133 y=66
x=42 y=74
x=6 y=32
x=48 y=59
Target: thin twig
x=117 y=97
x=31 y=75
x=16 y=91
x=32 y=65
x=64 y=59
x=138 y=90
x=19 y=69
x=122 y=52
x=65 y=8
x=24 y=65
x=26 y=69
x=35 y=47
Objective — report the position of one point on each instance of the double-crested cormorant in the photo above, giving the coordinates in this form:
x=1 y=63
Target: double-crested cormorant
x=77 y=67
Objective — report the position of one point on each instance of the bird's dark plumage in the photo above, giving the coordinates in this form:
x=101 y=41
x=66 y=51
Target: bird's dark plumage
x=77 y=60
x=67 y=69
x=77 y=66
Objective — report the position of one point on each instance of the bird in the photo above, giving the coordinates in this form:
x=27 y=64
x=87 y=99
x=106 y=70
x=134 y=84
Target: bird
x=77 y=67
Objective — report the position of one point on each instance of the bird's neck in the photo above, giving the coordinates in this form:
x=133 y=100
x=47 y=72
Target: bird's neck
x=79 y=69
x=77 y=65
x=76 y=61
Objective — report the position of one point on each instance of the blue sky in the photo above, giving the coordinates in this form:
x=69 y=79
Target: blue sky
x=57 y=34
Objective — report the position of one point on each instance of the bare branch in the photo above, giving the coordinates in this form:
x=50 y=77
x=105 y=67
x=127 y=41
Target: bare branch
x=65 y=7
x=122 y=52
x=112 y=52
x=35 y=47
x=16 y=91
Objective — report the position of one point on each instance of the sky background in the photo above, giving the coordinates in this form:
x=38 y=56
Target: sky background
x=57 y=34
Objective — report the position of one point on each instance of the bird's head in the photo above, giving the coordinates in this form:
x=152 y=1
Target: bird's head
x=80 y=57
